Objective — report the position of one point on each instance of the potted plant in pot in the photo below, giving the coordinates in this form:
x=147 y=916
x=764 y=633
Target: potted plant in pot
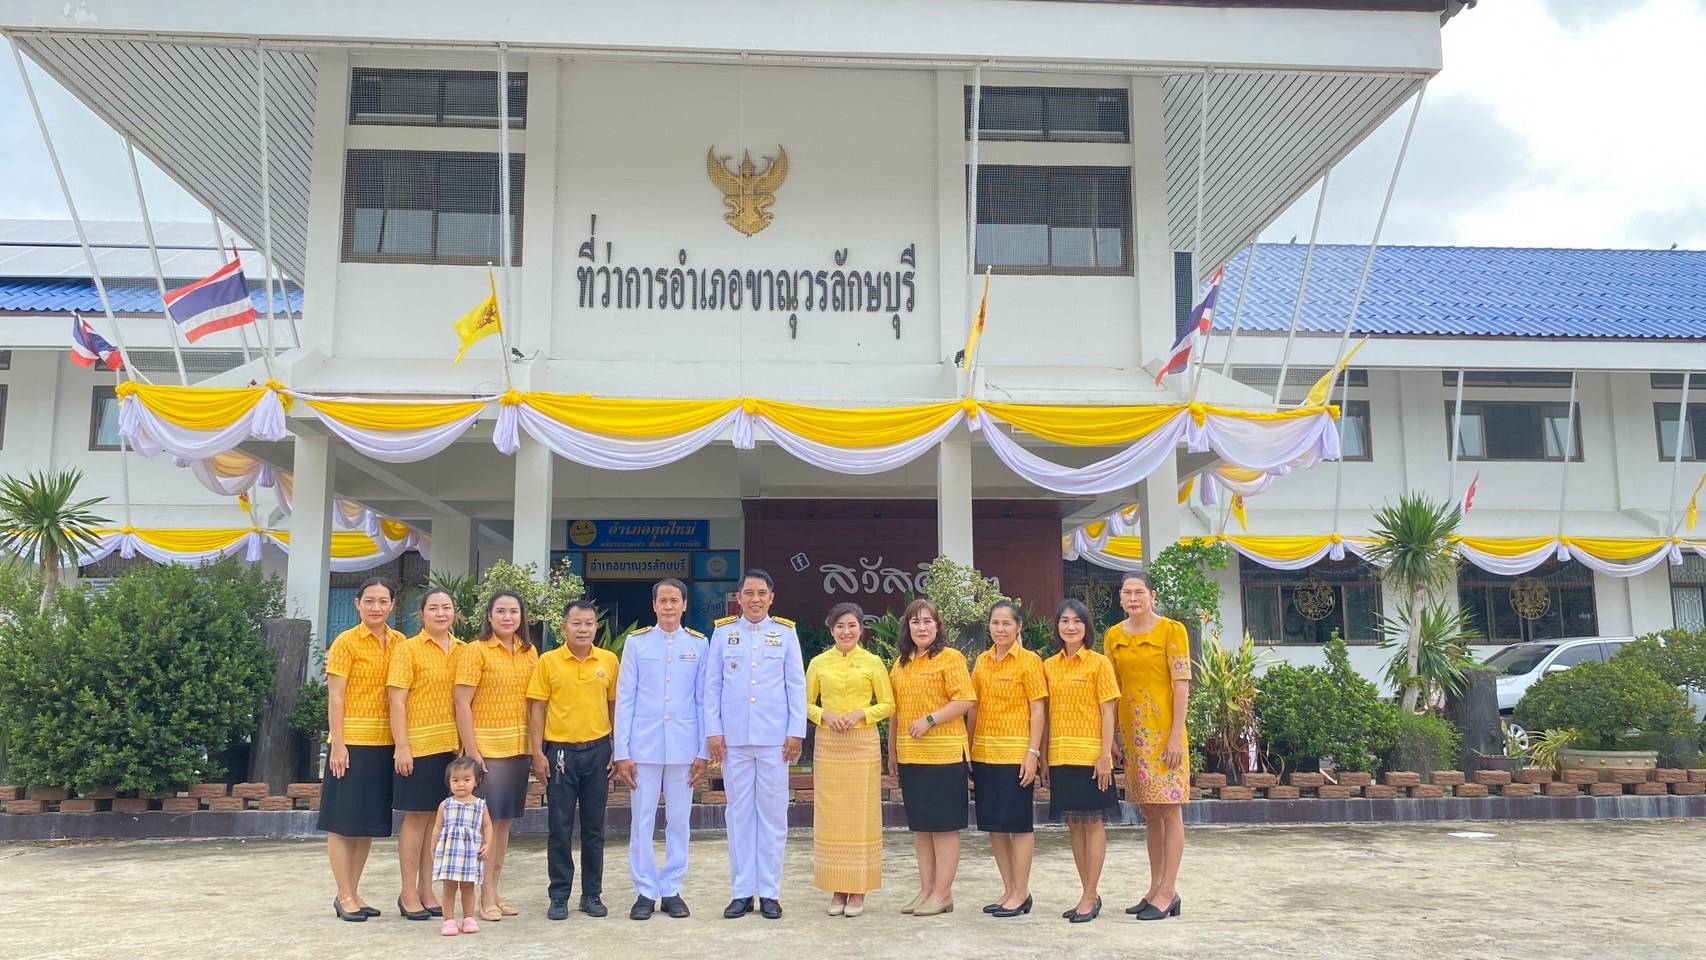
x=1223 y=706
x=1609 y=704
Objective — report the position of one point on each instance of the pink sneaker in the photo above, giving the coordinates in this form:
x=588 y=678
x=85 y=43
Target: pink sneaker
x=448 y=929
x=469 y=926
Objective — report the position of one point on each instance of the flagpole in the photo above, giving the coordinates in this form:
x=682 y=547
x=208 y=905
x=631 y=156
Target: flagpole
x=1196 y=240
x=154 y=255
x=1456 y=436
x=219 y=245
x=1238 y=311
x=505 y=222
x=284 y=295
x=123 y=459
x=1302 y=285
x=976 y=135
x=1569 y=445
x=266 y=205
x=1339 y=468
x=76 y=221
x=983 y=305
x=1682 y=437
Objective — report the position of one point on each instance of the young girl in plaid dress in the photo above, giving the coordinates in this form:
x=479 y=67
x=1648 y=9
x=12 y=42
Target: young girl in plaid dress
x=464 y=831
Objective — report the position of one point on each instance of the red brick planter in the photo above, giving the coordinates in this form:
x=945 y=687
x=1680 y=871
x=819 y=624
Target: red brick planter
x=47 y=794
x=1650 y=789
x=1517 y=789
x=84 y=805
x=1493 y=778
x=1306 y=780
x=10 y=793
x=275 y=803
x=1467 y=789
x=1354 y=778
x=1260 y=781
x=1624 y=776
x=1236 y=793
x=1690 y=789
x=1283 y=793
x=1447 y=778
x=1433 y=791
x=180 y=804
x=1579 y=777
x=131 y=805
x=205 y=791
x=1380 y=791
x=1209 y=781
x=1697 y=776
x=299 y=790
x=1402 y=778
x=1669 y=775
x=251 y=791
x=1533 y=775
x=227 y=804
x=24 y=806
x=1333 y=791
x=1561 y=789
x=1605 y=790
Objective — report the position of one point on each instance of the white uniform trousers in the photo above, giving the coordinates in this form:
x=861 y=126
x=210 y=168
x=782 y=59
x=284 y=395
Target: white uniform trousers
x=756 y=781
x=649 y=780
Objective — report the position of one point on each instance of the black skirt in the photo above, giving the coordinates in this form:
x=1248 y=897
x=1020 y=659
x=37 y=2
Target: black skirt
x=935 y=796
x=1002 y=805
x=424 y=789
x=1075 y=798
x=358 y=804
x=504 y=787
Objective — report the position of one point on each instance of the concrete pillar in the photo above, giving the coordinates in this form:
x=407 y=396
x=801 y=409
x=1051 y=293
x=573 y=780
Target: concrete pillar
x=953 y=500
x=452 y=545
x=1158 y=511
x=325 y=201
x=533 y=527
x=1152 y=246
x=308 y=573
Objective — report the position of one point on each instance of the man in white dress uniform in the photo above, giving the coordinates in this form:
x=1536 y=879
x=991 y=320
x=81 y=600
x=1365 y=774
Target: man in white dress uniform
x=660 y=745
x=755 y=722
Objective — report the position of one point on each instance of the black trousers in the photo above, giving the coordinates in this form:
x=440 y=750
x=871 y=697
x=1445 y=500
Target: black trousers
x=579 y=776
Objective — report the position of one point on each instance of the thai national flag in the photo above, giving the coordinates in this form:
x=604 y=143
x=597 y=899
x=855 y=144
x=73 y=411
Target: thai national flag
x=1468 y=496
x=219 y=302
x=1201 y=317
x=87 y=346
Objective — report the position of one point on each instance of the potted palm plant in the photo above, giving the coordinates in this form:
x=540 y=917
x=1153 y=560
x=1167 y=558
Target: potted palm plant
x=1414 y=551
x=1223 y=703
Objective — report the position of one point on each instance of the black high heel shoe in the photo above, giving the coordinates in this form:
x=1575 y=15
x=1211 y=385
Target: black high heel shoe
x=1001 y=911
x=1153 y=912
x=353 y=916
x=992 y=907
x=1142 y=905
x=1095 y=911
x=412 y=914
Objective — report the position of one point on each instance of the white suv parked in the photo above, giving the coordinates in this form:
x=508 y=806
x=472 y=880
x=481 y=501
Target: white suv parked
x=1521 y=664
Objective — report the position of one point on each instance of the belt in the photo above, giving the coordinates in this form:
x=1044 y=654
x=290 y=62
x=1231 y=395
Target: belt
x=577 y=747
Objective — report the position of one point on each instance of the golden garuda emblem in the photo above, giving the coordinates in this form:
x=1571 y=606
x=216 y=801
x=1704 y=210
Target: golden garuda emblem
x=747 y=192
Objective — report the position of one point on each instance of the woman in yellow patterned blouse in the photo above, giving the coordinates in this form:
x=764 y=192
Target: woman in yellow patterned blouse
x=1081 y=695
x=1152 y=660
x=355 y=802
x=927 y=749
x=847 y=695
x=491 y=718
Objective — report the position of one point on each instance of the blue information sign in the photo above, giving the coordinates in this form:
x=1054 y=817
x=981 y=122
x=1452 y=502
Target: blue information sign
x=638 y=534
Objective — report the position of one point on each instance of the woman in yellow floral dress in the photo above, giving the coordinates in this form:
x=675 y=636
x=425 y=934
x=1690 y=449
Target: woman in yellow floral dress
x=1152 y=660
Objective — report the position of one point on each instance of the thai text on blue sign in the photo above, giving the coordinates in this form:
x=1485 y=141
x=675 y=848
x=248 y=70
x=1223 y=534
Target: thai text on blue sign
x=638 y=534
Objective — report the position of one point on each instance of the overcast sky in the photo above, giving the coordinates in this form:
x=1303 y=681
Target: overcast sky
x=1556 y=123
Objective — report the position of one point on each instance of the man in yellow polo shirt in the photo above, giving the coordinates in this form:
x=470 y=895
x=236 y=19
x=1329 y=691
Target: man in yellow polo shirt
x=570 y=698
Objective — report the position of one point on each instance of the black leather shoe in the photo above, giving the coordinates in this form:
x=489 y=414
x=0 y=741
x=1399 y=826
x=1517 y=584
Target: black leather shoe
x=352 y=916
x=435 y=911
x=1001 y=911
x=642 y=909
x=1141 y=906
x=1152 y=912
x=992 y=907
x=675 y=906
x=592 y=906
x=372 y=912
x=1095 y=911
x=412 y=914
x=738 y=907
x=558 y=910
x=770 y=909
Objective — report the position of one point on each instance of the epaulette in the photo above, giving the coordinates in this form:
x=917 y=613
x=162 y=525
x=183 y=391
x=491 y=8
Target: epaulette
x=636 y=630
x=694 y=632
x=784 y=621
x=727 y=620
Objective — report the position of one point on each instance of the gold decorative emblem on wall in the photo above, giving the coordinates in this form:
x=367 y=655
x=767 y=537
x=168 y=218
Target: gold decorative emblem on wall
x=1530 y=598
x=1313 y=597
x=747 y=192
x=1093 y=593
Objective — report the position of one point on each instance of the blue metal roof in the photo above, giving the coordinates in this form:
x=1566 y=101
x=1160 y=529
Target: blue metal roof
x=63 y=295
x=1475 y=291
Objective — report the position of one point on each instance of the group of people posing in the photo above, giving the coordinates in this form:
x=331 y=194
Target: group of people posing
x=448 y=733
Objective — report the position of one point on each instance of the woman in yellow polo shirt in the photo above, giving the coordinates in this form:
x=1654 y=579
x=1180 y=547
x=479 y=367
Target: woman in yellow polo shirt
x=491 y=717
x=423 y=725
x=847 y=695
x=927 y=749
x=355 y=800
x=1152 y=659
x=1081 y=696
x=1006 y=727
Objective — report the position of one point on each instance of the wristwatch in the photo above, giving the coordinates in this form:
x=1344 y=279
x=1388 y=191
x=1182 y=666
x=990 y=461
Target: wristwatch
x=1036 y=753
x=930 y=718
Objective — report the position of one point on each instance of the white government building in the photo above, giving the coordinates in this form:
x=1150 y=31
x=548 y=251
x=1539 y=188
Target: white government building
x=839 y=270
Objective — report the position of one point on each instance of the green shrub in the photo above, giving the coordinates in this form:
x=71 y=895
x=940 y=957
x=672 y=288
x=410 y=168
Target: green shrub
x=1606 y=701
x=309 y=715
x=1307 y=713
x=1677 y=656
x=1423 y=742
x=136 y=685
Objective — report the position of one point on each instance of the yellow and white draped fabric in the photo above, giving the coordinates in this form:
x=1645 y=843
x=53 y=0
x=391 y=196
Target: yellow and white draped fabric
x=351 y=552
x=639 y=434
x=199 y=422
x=1111 y=544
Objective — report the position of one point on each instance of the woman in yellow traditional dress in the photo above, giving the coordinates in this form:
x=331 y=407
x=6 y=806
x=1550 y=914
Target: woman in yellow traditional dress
x=1152 y=660
x=847 y=695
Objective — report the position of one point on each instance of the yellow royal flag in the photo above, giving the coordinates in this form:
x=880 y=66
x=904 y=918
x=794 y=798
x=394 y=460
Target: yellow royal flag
x=1238 y=511
x=1323 y=387
x=480 y=322
x=977 y=324
x=1692 y=515
x=1185 y=489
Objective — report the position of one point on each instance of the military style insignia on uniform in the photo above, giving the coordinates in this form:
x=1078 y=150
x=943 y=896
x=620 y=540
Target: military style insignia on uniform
x=784 y=621
x=726 y=620
x=734 y=639
x=746 y=191
x=772 y=638
x=601 y=673
x=690 y=655
x=694 y=632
